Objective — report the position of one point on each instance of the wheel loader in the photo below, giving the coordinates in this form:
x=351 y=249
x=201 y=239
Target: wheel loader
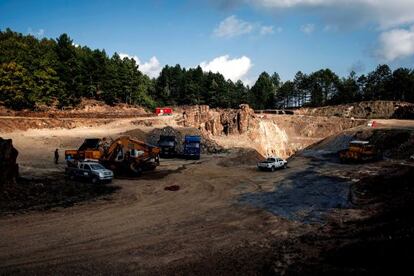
x=359 y=151
x=123 y=155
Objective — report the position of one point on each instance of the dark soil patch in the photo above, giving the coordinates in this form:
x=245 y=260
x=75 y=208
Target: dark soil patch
x=172 y=188
x=379 y=244
x=46 y=193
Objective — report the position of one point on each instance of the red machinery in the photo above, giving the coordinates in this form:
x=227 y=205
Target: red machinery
x=161 y=111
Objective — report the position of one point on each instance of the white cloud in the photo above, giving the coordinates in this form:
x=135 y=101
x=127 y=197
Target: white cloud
x=151 y=68
x=232 y=26
x=264 y=30
x=39 y=33
x=383 y=13
x=396 y=44
x=233 y=69
x=308 y=28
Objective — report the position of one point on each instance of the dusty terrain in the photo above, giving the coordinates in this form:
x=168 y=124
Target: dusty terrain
x=226 y=217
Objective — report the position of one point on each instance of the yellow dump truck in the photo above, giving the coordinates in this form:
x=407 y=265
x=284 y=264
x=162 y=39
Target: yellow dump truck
x=359 y=151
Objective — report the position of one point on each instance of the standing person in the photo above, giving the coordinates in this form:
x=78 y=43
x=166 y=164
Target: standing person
x=56 y=156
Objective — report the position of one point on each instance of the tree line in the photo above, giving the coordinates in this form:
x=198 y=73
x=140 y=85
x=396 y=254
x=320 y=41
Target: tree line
x=55 y=72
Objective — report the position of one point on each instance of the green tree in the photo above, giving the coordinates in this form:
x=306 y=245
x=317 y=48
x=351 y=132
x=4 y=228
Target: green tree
x=16 y=86
x=263 y=92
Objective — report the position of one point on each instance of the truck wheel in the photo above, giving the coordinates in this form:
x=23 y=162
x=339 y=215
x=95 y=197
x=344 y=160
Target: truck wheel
x=136 y=169
x=285 y=166
x=273 y=169
x=95 y=180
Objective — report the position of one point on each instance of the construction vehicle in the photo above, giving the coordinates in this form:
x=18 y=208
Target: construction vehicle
x=359 y=151
x=92 y=171
x=167 y=144
x=123 y=155
x=192 y=147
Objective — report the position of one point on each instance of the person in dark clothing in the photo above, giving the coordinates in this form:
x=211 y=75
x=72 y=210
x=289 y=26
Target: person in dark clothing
x=56 y=156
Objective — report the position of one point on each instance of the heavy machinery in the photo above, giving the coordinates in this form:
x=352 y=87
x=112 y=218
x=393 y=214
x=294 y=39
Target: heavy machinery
x=359 y=151
x=123 y=155
x=192 y=144
x=167 y=144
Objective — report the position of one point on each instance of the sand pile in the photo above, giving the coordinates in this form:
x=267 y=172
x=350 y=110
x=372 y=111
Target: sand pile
x=242 y=157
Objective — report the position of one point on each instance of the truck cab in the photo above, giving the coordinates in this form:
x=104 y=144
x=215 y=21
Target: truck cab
x=167 y=144
x=192 y=147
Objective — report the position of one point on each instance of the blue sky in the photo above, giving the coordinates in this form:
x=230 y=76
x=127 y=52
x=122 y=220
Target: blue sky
x=239 y=38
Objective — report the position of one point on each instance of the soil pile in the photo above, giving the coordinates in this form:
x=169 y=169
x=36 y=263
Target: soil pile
x=9 y=168
x=207 y=144
x=12 y=124
x=86 y=109
x=242 y=157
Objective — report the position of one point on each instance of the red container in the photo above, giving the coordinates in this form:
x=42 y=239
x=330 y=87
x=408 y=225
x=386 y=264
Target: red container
x=161 y=111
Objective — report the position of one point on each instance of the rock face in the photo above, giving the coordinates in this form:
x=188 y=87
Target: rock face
x=220 y=121
x=362 y=110
x=9 y=168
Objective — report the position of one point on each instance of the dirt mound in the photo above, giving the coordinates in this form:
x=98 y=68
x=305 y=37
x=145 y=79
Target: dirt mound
x=207 y=145
x=9 y=168
x=86 y=109
x=241 y=157
x=136 y=134
x=12 y=124
x=93 y=106
x=363 y=110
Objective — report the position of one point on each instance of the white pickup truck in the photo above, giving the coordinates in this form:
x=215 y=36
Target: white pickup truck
x=271 y=164
x=92 y=171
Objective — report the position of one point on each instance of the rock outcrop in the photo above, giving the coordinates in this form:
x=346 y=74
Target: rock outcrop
x=361 y=110
x=9 y=169
x=220 y=121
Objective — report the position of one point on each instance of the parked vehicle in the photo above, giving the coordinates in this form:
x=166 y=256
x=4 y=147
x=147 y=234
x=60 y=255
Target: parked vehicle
x=167 y=144
x=192 y=147
x=163 y=111
x=271 y=164
x=91 y=171
x=123 y=155
x=359 y=151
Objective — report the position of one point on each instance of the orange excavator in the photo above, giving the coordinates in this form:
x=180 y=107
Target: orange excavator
x=123 y=155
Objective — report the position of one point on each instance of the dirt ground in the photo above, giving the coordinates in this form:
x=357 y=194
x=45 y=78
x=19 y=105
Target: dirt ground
x=225 y=218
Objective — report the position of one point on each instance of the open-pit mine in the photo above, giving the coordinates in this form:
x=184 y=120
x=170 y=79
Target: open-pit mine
x=222 y=216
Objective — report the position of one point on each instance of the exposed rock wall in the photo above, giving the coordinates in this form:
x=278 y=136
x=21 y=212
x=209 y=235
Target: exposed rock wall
x=220 y=121
x=269 y=135
x=362 y=110
x=9 y=169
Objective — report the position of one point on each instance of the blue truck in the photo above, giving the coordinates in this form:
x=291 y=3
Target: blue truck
x=192 y=147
